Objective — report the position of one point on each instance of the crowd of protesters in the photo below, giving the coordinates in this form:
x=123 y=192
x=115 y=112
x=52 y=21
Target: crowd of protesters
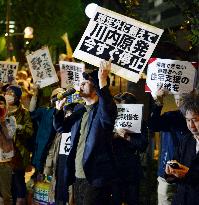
x=103 y=165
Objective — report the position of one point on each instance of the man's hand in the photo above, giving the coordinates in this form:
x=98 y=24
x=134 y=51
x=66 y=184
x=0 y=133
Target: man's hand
x=179 y=173
x=35 y=89
x=123 y=133
x=159 y=94
x=104 y=70
x=60 y=104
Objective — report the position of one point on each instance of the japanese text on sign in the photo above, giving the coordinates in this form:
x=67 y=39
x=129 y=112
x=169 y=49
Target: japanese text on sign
x=8 y=71
x=71 y=74
x=127 y=42
x=41 y=191
x=65 y=144
x=41 y=68
x=129 y=117
x=174 y=75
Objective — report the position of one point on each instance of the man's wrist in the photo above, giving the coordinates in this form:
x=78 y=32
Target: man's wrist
x=102 y=83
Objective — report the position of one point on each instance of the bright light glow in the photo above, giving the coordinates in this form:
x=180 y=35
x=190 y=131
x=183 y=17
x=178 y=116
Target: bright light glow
x=27 y=42
x=28 y=32
x=90 y=10
x=6 y=34
x=11 y=30
x=11 y=26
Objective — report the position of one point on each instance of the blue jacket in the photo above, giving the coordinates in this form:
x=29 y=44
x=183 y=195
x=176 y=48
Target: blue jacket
x=43 y=119
x=97 y=157
x=173 y=127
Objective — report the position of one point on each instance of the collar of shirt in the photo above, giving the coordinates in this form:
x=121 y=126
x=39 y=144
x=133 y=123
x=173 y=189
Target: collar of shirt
x=88 y=107
x=197 y=146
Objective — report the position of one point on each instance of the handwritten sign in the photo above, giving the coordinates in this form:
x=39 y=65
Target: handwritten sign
x=129 y=117
x=41 y=67
x=8 y=71
x=127 y=42
x=71 y=74
x=65 y=144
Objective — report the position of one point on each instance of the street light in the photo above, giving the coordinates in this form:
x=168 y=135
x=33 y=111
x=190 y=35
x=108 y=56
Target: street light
x=90 y=9
x=28 y=32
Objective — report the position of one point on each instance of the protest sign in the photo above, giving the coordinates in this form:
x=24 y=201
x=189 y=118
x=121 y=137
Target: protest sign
x=129 y=117
x=71 y=74
x=8 y=71
x=41 y=67
x=41 y=191
x=174 y=75
x=65 y=144
x=127 y=42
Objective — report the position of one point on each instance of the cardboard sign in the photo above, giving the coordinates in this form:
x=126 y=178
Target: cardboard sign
x=41 y=67
x=8 y=71
x=129 y=117
x=127 y=42
x=174 y=75
x=71 y=74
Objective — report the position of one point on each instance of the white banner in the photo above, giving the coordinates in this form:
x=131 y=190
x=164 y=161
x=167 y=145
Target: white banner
x=174 y=75
x=65 y=144
x=127 y=42
x=71 y=74
x=8 y=71
x=41 y=67
x=129 y=117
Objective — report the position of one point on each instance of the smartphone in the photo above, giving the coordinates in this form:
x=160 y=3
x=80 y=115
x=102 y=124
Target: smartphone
x=173 y=165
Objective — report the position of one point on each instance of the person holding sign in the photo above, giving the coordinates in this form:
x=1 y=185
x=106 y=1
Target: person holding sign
x=172 y=126
x=7 y=132
x=21 y=161
x=184 y=167
x=126 y=148
x=90 y=164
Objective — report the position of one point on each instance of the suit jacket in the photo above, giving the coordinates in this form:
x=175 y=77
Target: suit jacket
x=188 y=187
x=173 y=128
x=97 y=157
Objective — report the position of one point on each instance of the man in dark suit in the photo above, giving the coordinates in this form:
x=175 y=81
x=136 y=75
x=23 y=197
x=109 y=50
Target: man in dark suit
x=184 y=169
x=89 y=165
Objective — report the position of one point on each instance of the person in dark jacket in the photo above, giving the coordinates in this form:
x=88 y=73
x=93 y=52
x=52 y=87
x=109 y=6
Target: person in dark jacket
x=127 y=148
x=21 y=161
x=172 y=128
x=187 y=156
x=90 y=162
x=42 y=118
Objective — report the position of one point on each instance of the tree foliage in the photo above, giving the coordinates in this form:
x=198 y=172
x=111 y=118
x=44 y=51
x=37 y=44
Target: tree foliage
x=49 y=19
x=190 y=12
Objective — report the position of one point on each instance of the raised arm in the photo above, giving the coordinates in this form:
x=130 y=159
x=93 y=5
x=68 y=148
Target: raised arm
x=107 y=105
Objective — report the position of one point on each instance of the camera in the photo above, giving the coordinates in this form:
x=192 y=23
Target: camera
x=173 y=165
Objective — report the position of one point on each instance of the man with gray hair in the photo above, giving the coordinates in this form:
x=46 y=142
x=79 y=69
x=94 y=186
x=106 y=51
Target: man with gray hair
x=184 y=168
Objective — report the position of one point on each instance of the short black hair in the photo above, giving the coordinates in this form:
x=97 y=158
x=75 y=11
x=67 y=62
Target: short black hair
x=2 y=99
x=127 y=97
x=190 y=102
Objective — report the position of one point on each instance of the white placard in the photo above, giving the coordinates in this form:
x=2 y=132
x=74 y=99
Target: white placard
x=41 y=67
x=129 y=117
x=127 y=42
x=174 y=75
x=8 y=71
x=65 y=144
x=71 y=74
